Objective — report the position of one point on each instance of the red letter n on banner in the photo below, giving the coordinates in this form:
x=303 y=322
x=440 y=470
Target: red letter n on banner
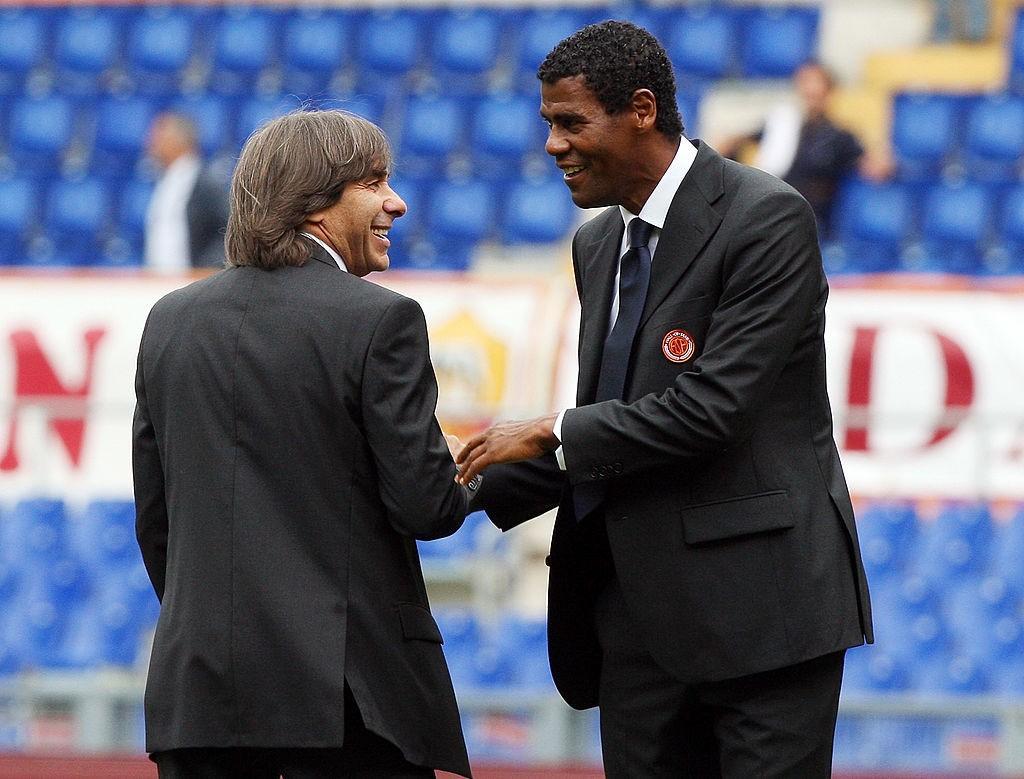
x=37 y=383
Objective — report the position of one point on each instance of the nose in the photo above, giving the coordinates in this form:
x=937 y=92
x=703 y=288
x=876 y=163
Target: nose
x=394 y=205
x=556 y=145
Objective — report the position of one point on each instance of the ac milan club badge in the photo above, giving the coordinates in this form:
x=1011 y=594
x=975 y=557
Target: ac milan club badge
x=678 y=346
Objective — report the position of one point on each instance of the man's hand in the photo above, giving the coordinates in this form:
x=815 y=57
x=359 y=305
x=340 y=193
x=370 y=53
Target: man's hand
x=507 y=442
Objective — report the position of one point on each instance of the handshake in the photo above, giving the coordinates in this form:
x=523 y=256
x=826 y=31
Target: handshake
x=506 y=442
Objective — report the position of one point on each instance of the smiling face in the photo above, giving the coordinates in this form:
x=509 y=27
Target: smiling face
x=357 y=225
x=600 y=154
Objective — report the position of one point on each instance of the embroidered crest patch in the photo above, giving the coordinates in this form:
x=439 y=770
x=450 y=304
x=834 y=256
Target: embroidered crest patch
x=678 y=346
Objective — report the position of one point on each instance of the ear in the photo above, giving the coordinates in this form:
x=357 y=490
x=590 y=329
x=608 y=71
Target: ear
x=645 y=107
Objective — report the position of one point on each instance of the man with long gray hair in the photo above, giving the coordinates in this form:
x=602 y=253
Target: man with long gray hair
x=286 y=458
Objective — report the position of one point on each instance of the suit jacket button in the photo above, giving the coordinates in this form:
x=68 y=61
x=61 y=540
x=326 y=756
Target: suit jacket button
x=594 y=473
x=621 y=517
x=617 y=467
x=547 y=561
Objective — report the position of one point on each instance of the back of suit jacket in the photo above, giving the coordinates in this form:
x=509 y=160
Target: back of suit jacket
x=286 y=457
x=728 y=517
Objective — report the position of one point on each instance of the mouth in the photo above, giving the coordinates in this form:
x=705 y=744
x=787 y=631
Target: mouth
x=381 y=234
x=571 y=172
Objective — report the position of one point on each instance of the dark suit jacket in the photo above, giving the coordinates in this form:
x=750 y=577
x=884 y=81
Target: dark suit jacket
x=206 y=214
x=286 y=456
x=728 y=516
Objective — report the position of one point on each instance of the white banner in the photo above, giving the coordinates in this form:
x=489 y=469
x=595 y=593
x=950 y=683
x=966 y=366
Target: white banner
x=925 y=385
x=68 y=347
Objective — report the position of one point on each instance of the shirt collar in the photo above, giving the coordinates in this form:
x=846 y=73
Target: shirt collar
x=329 y=250
x=656 y=208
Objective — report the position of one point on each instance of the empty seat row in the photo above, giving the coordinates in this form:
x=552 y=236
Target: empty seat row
x=228 y=48
x=99 y=221
x=981 y=135
x=958 y=226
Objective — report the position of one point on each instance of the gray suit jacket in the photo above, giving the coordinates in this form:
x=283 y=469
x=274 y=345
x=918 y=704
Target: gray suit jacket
x=728 y=516
x=286 y=457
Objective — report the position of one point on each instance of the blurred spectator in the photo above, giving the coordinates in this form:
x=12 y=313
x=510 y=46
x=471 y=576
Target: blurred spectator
x=802 y=146
x=187 y=215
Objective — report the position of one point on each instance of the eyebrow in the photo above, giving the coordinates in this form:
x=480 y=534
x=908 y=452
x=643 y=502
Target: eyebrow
x=562 y=117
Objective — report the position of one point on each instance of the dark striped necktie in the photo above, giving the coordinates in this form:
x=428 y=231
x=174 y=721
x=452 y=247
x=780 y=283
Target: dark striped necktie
x=634 y=278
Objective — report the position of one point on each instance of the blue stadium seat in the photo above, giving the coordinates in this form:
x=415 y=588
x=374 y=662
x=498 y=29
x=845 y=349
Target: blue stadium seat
x=244 y=44
x=122 y=126
x=994 y=139
x=462 y=211
x=256 y=111
x=36 y=531
x=465 y=47
x=1005 y=256
x=390 y=45
x=957 y=217
x=107 y=534
x=924 y=133
x=160 y=46
x=537 y=211
x=870 y=669
x=1008 y=678
x=87 y=43
x=76 y=213
x=703 y=42
x=887 y=532
x=1016 y=46
x=23 y=46
x=951 y=675
x=874 y=220
x=316 y=45
x=493 y=667
x=957 y=544
x=1008 y=552
x=210 y=114
x=539 y=31
x=776 y=41
x=506 y=128
x=20 y=198
x=432 y=130
x=133 y=198
x=39 y=132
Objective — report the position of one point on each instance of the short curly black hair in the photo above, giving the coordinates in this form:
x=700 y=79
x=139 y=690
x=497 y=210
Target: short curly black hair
x=616 y=59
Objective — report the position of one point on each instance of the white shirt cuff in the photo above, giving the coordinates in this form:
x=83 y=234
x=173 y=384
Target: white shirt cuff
x=559 y=454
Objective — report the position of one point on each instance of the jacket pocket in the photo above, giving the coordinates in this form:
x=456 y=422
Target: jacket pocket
x=418 y=623
x=745 y=515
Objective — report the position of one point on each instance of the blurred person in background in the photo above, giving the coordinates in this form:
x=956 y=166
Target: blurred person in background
x=801 y=145
x=286 y=458
x=705 y=574
x=188 y=211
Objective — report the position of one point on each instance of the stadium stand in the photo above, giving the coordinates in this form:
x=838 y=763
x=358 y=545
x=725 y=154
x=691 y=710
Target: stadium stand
x=456 y=91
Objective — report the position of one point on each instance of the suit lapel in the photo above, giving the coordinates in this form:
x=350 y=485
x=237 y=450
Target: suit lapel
x=689 y=225
x=599 y=277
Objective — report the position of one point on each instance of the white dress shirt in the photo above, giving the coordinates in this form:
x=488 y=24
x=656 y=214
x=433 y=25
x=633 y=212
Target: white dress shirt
x=166 y=220
x=329 y=250
x=654 y=212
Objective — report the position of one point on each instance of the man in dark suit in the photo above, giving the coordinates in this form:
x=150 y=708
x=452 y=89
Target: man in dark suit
x=188 y=211
x=705 y=574
x=286 y=458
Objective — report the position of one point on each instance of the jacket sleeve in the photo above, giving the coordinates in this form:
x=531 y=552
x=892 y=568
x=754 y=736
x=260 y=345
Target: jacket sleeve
x=772 y=285
x=148 y=476
x=414 y=467
x=512 y=493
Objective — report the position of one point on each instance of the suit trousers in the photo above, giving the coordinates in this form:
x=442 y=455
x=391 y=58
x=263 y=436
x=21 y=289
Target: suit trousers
x=778 y=723
x=365 y=755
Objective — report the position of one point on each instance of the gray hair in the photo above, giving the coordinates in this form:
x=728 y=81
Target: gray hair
x=292 y=167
